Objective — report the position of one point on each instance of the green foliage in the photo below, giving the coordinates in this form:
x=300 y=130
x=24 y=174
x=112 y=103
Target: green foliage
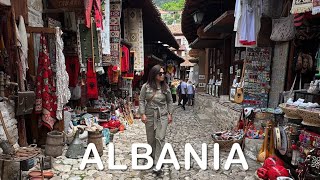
x=176 y=5
x=159 y=3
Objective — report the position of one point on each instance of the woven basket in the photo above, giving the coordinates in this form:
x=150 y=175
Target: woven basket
x=227 y=144
x=310 y=118
x=290 y=112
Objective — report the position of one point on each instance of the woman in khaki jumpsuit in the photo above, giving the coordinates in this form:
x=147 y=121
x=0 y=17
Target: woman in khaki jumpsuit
x=155 y=105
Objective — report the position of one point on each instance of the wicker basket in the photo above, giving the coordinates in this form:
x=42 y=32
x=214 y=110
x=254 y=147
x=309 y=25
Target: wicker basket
x=290 y=112
x=310 y=118
x=227 y=144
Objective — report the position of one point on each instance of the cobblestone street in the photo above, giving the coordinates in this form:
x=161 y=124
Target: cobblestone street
x=186 y=128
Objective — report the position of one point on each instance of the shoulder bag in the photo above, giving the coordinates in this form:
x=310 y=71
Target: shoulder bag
x=283 y=28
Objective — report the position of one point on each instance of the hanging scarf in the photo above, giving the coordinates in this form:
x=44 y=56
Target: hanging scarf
x=46 y=102
x=63 y=91
x=92 y=84
x=24 y=46
x=301 y=6
x=73 y=69
x=315 y=7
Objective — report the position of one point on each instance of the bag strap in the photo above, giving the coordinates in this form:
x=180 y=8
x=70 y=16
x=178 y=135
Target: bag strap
x=153 y=94
x=285 y=7
x=294 y=82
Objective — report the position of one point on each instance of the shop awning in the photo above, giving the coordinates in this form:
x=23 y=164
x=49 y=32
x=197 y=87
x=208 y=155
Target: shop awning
x=222 y=24
x=200 y=43
x=212 y=9
x=155 y=58
x=154 y=29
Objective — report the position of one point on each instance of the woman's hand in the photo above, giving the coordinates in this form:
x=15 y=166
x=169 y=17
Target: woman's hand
x=144 y=118
x=169 y=118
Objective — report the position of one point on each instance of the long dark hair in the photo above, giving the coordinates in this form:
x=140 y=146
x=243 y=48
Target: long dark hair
x=154 y=71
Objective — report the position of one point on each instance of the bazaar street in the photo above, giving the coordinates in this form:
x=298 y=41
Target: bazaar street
x=186 y=128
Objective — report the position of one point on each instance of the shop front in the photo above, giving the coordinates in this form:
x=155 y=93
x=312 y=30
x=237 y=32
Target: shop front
x=70 y=81
x=270 y=77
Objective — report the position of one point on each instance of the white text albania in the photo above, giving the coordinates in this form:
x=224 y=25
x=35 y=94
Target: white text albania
x=189 y=151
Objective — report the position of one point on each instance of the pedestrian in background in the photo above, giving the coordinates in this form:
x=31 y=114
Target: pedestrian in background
x=155 y=106
x=183 y=90
x=179 y=93
x=190 y=93
x=174 y=93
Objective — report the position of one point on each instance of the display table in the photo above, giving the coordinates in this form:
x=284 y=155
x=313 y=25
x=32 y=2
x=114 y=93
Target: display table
x=22 y=154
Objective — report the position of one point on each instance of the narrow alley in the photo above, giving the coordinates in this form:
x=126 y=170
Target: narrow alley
x=79 y=74
x=186 y=128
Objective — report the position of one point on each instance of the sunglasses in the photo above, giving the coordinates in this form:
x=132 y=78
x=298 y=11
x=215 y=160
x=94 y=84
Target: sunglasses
x=161 y=73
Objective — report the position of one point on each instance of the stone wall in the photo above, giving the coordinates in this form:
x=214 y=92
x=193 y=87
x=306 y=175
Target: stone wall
x=224 y=113
x=279 y=66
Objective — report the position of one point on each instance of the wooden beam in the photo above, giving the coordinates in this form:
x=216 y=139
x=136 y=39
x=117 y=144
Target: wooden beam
x=40 y=30
x=31 y=57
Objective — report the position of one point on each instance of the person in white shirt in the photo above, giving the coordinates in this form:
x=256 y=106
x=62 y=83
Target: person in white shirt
x=183 y=92
x=190 y=93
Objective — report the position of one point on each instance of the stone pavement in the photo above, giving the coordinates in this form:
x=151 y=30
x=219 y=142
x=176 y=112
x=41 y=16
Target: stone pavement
x=186 y=128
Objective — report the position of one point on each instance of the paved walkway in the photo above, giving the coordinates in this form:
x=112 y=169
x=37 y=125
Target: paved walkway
x=186 y=128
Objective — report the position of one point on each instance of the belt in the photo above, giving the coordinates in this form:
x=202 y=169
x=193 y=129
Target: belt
x=156 y=115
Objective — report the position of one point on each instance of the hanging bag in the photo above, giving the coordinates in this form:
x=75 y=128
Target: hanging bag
x=283 y=28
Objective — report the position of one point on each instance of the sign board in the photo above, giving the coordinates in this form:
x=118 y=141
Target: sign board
x=202 y=77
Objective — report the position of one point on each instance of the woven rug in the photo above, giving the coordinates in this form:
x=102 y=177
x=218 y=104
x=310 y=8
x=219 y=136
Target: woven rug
x=115 y=34
x=133 y=32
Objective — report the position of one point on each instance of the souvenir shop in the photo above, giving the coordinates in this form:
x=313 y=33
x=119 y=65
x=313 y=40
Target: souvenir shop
x=285 y=139
x=63 y=84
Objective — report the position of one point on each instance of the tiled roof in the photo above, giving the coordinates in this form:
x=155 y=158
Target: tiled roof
x=175 y=29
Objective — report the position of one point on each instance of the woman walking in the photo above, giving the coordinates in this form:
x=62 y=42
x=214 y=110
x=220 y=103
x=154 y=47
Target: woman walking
x=156 y=107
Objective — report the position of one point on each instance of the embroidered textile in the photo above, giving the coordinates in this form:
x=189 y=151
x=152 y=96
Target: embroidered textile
x=115 y=34
x=63 y=92
x=92 y=83
x=125 y=59
x=96 y=4
x=315 y=7
x=105 y=33
x=301 y=6
x=85 y=45
x=46 y=99
x=133 y=32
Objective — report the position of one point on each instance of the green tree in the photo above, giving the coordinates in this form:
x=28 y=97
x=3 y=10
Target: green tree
x=176 y=5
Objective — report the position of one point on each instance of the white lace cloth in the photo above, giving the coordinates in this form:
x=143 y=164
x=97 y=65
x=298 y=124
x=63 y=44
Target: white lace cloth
x=63 y=92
